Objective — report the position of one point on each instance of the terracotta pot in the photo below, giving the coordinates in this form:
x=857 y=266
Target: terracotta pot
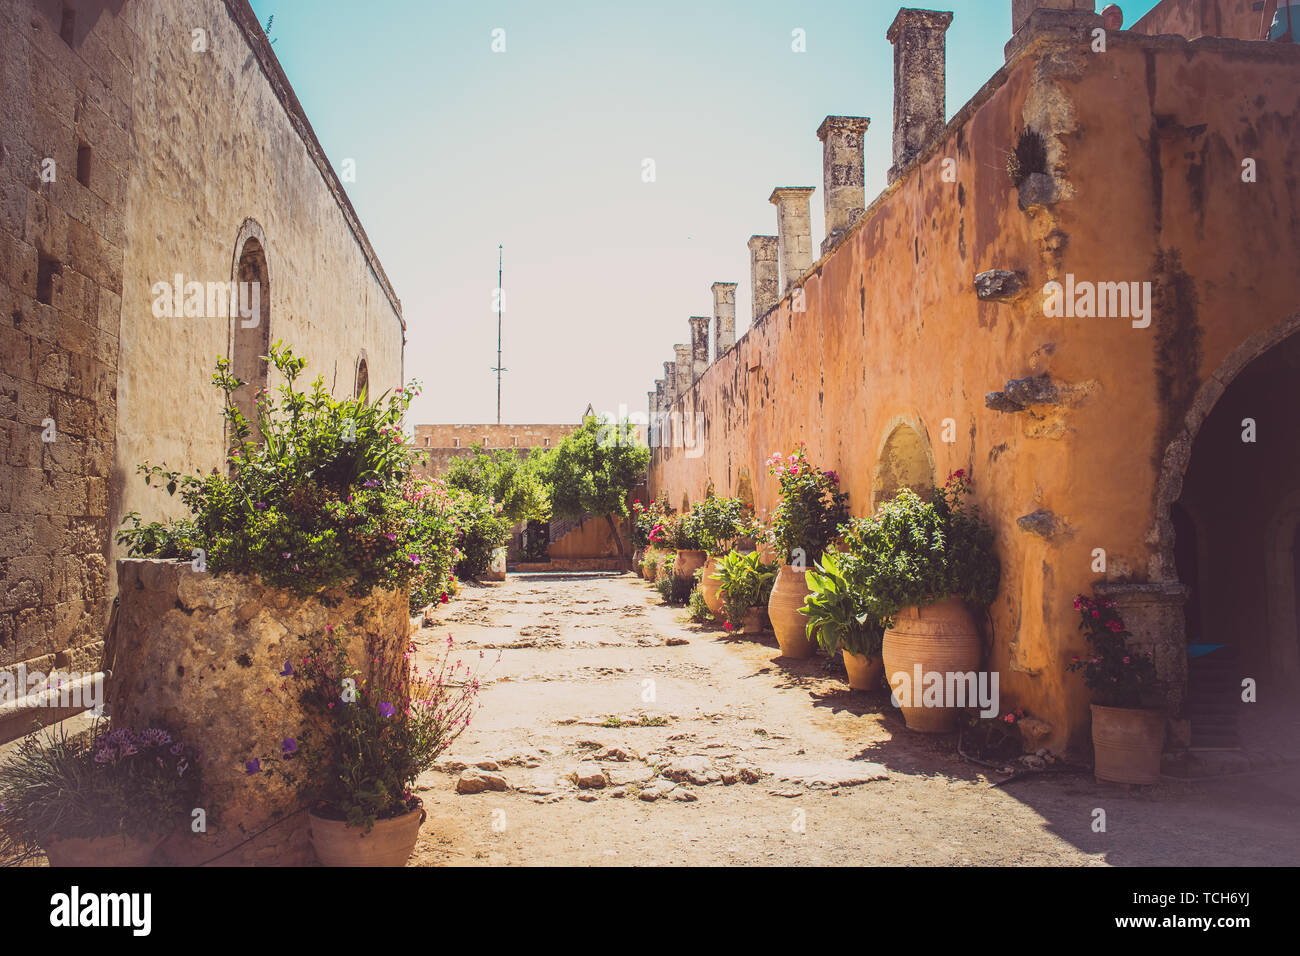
x=101 y=851
x=753 y=622
x=940 y=638
x=864 y=671
x=790 y=625
x=709 y=588
x=390 y=843
x=1127 y=743
x=645 y=562
x=687 y=563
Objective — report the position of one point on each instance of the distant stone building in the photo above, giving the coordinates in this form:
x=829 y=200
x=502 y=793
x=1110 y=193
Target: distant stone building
x=1142 y=439
x=153 y=157
x=436 y=445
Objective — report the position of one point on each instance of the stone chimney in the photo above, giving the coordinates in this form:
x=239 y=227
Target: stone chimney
x=919 y=82
x=764 y=278
x=670 y=385
x=1021 y=9
x=724 y=318
x=685 y=369
x=1063 y=18
x=699 y=345
x=793 y=231
x=843 y=185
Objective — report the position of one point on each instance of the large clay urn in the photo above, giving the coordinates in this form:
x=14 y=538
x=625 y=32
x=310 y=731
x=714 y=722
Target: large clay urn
x=864 y=670
x=937 y=639
x=1127 y=743
x=709 y=588
x=790 y=625
x=687 y=563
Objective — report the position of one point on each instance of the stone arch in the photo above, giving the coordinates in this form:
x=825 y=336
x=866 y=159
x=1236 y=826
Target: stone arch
x=250 y=339
x=1178 y=453
x=361 y=379
x=745 y=489
x=904 y=460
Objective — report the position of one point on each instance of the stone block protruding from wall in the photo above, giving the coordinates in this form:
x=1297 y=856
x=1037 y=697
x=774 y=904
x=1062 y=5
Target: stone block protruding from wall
x=699 y=346
x=724 y=318
x=670 y=384
x=685 y=369
x=793 y=232
x=843 y=180
x=920 y=77
x=1021 y=9
x=764 y=274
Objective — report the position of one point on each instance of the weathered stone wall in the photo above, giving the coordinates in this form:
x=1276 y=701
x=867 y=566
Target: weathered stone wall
x=65 y=160
x=1214 y=18
x=203 y=655
x=1142 y=182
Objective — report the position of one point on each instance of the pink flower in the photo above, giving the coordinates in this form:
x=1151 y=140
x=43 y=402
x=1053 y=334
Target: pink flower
x=1128 y=660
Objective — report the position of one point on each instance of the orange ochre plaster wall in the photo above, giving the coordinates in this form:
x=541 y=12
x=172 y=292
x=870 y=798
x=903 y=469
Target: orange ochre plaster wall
x=1146 y=144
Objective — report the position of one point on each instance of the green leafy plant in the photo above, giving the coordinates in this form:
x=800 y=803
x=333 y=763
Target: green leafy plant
x=506 y=478
x=841 y=615
x=651 y=565
x=481 y=528
x=744 y=582
x=700 y=612
x=913 y=552
x=811 y=509
x=1117 y=675
x=107 y=783
x=716 y=522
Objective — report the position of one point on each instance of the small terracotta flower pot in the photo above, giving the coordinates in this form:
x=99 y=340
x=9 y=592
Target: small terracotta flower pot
x=389 y=843
x=120 y=850
x=753 y=621
x=1127 y=743
x=865 y=671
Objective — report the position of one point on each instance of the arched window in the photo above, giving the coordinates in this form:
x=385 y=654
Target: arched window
x=362 y=389
x=905 y=461
x=250 y=321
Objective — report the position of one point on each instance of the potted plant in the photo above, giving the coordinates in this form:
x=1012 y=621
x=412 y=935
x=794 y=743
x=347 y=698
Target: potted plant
x=1128 y=734
x=685 y=537
x=841 y=617
x=645 y=519
x=366 y=745
x=104 y=798
x=803 y=525
x=922 y=563
x=744 y=584
x=718 y=522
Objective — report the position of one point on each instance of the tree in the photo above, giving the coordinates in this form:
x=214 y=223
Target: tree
x=506 y=477
x=593 y=471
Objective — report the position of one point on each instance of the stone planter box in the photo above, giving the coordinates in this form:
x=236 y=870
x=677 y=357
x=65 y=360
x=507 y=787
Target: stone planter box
x=202 y=654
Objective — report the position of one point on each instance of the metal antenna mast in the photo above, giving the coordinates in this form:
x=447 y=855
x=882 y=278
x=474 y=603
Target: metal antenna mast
x=499 y=368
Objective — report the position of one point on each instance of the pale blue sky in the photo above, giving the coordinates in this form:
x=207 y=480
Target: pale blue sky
x=541 y=147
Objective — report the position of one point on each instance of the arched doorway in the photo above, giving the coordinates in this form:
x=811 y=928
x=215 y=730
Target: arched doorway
x=904 y=461
x=1232 y=537
x=250 y=338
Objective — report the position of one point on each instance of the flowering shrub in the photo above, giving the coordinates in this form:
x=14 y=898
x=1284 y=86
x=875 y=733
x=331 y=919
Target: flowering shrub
x=716 y=522
x=993 y=738
x=367 y=742
x=646 y=518
x=481 y=528
x=812 y=507
x=916 y=553
x=106 y=783
x=1116 y=675
x=744 y=582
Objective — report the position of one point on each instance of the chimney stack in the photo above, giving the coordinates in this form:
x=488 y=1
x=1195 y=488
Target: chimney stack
x=794 y=232
x=1021 y=9
x=764 y=279
x=670 y=385
x=724 y=318
x=685 y=369
x=919 y=82
x=843 y=183
x=699 y=345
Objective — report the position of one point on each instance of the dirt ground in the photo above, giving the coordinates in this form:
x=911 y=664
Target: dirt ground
x=590 y=676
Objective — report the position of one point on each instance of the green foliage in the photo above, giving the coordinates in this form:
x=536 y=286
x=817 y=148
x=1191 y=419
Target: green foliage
x=372 y=740
x=811 y=509
x=915 y=553
x=102 y=784
x=744 y=581
x=841 y=614
x=993 y=738
x=700 y=612
x=651 y=565
x=481 y=529
x=594 y=469
x=1116 y=675
x=664 y=585
x=506 y=478
x=715 y=523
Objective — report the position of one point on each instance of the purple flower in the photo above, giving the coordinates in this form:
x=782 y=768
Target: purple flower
x=415 y=558
x=390 y=536
x=177 y=749
x=290 y=746
x=386 y=709
x=253 y=766
x=260 y=505
x=288 y=669
x=370 y=484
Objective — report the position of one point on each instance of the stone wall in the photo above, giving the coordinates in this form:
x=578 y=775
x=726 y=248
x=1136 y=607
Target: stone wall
x=1140 y=179
x=65 y=162
x=1214 y=18
x=203 y=655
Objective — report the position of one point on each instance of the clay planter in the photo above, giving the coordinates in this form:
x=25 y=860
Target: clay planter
x=790 y=625
x=102 y=851
x=1127 y=743
x=709 y=588
x=864 y=672
x=645 y=561
x=753 y=622
x=389 y=843
x=687 y=563
x=940 y=638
